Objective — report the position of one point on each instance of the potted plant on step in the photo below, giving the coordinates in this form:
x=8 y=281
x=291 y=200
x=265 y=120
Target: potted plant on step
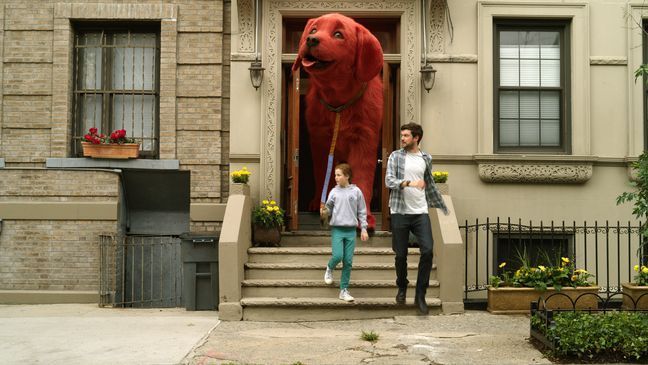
x=512 y=292
x=240 y=179
x=116 y=145
x=267 y=223
x=441 y=181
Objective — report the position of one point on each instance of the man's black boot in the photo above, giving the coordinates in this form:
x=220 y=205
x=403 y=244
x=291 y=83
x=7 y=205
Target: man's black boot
x=400 y=297
x=421 y=305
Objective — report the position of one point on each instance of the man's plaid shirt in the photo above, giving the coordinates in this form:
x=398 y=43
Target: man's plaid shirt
x=395 y=177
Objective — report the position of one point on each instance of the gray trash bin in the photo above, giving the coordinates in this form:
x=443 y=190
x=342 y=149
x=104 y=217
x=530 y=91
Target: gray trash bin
x=200 y=271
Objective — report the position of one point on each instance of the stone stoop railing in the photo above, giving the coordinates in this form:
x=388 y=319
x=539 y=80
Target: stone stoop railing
x=286 y=283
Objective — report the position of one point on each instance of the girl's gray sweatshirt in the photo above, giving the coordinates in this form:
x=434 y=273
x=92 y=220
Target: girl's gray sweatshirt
x=347 y=207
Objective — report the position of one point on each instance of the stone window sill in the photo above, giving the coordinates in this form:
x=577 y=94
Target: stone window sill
x=90 y=163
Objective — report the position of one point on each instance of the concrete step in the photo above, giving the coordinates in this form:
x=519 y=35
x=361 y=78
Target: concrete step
x=319 y=289
x=369 y=271
x=323 y=238
x=319 y=254
x=321 y=309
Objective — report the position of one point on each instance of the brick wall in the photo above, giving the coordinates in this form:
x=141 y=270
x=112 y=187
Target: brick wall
x=53 y=254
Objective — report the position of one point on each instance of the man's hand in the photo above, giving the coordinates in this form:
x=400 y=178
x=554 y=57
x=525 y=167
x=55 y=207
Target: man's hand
x=364 y=235
x=418 y=184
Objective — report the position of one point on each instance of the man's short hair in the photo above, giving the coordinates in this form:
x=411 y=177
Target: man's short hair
x=415 y=129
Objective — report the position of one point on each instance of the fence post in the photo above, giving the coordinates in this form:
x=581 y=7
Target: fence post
x=449 y=253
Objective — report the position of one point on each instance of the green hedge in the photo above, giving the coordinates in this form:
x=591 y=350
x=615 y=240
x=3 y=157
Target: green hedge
x=611 y=335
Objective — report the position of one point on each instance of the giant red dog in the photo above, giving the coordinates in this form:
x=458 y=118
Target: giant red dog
x=344 y=61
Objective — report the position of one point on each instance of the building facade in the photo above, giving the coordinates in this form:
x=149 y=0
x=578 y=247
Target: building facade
x=535 y=112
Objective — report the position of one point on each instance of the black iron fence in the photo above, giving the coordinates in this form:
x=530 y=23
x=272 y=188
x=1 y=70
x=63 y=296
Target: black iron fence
x=140 y=271
x=607 y=250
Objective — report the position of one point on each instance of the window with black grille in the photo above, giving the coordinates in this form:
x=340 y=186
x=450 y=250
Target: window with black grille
x=537 y=249
x=116 y=82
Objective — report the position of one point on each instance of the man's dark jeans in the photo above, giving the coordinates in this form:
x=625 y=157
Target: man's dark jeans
x=419 y=225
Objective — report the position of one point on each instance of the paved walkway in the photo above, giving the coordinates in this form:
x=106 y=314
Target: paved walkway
x=472 y=338
x=85 y=334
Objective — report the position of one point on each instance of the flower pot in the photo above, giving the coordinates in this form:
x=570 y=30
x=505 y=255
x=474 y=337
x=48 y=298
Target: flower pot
x=507 y=300
x=239 y=189
x=113 y=150
x=262 y=236
x=635 y=292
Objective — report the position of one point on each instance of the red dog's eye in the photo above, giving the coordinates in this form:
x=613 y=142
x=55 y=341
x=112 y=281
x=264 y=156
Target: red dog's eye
x=338 y=34
x=313 y=31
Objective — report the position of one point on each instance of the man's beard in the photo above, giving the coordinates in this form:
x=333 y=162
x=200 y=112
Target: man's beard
x=408 y=146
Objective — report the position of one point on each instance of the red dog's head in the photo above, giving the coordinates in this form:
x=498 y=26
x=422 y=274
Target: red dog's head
x=334 y=45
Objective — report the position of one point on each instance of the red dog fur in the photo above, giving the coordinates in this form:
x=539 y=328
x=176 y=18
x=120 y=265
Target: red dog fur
x=341 y=56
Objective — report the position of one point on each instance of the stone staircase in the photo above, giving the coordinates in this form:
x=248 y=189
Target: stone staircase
x=287 y=283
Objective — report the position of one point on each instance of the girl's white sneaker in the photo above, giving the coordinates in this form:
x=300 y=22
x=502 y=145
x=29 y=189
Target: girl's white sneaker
x=328 y=275
x=344 y=295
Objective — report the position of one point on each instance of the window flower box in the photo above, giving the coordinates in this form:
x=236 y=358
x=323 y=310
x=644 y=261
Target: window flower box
x=635 y=291
x=509 y=300
x=113 y=150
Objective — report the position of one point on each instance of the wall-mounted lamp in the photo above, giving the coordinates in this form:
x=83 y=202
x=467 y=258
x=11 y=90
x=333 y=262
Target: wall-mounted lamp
x=428 y=74
x=256 y=73
x=256 y=69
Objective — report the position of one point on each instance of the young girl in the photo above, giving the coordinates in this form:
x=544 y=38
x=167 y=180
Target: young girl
x=347 y=207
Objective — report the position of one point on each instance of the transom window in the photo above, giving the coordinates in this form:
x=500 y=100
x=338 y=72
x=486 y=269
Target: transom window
x=531 y=87
x=116 y=83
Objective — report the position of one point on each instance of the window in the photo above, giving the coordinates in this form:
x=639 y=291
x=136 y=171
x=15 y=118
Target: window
x=116 y=83
x=531 y=87
x=544 y=248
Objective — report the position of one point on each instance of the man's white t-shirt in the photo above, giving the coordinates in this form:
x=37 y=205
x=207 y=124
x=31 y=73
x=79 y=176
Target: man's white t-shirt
x=413 y=197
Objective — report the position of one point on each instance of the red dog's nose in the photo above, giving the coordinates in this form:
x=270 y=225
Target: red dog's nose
x=312 y=41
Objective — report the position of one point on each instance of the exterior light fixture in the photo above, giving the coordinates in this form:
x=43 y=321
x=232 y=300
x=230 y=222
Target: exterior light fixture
x=256 y=73
x=256 y=69
x=428 y=75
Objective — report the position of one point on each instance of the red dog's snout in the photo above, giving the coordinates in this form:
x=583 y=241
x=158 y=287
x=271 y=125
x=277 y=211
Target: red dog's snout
x=312 y=41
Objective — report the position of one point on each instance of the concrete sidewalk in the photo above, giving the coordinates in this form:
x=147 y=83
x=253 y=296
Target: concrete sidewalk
x=472 y=338
x=85 y=334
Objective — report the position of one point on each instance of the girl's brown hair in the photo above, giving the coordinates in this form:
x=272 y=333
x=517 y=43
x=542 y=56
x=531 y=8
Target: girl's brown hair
x=346 y=170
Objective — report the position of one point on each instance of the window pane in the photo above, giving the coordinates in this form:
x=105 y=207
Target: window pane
x=550 y=132
x=550 y=45
x=136 y=114
x=89 y=111
x=509 y=132
x=529 y=104
x=530 y=45
x=509 y=73
x=550 y=71
x=133 y=66
x=89 y=61
x=550 y=105
x=529 y=133
x=509 y=105
x=529 y=73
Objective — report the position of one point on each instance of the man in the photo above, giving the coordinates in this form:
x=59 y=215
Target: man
x=412 y=192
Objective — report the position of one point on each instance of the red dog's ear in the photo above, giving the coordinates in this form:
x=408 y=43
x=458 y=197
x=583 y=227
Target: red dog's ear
x=369 y=56
x=302 y=40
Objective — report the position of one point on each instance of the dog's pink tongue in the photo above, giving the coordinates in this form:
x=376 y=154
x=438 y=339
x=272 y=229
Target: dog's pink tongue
x=307 y=63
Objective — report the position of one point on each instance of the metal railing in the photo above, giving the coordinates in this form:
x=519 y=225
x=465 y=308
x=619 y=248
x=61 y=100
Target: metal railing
x=140 y=271
x=608 y=251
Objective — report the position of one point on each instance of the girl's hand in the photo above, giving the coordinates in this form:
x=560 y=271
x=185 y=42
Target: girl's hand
x=364 y=235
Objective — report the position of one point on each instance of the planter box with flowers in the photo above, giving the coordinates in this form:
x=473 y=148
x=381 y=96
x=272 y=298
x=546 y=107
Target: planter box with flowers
x=116 y=146
x=440 y=180
x=511 y=293
x=267 y=222
x=637 y=290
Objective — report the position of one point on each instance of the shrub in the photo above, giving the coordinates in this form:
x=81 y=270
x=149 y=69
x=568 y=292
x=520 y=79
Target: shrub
x=608 y=335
